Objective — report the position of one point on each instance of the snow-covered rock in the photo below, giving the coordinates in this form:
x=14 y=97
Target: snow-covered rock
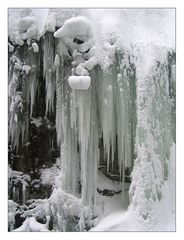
x=31 y=225
x=75 y=27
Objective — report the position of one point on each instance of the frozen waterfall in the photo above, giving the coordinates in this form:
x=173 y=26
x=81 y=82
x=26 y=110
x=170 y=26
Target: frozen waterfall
x=107 y=98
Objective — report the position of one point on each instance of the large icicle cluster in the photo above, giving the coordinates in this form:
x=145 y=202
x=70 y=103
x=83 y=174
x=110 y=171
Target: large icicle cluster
x=23 y=85
x=115 y=88
x=104 y=111
x=75 y=111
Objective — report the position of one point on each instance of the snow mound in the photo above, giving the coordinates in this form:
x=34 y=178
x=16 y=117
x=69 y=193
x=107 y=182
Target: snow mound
x=75 y=27
x=69 y=213
x=26 y=24
x=79 y=82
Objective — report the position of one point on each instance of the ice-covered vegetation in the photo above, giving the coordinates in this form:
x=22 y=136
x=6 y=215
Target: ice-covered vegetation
x=97 y=86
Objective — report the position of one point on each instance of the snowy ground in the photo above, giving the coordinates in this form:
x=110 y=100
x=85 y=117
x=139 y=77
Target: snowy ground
x=163 y=213
x=115 y=215
x=107 y=204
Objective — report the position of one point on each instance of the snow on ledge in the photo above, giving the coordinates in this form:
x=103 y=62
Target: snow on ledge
x=79 y=82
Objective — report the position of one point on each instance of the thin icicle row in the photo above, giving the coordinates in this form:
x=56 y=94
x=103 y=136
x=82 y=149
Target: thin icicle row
x=115 y=104
x=23 y=87
x=30 y=80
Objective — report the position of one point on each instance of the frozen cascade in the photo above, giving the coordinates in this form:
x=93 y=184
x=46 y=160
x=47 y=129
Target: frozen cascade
x=154 y=137
x=79 y=137
x=80 y=116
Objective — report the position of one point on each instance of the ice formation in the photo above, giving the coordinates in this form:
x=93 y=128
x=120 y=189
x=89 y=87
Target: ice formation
x=79 y=82
x=153 y=144
x=111 y=92
x=35 y=47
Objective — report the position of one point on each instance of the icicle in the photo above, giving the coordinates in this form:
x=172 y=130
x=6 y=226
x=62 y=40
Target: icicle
x=84 y=104
x=24 y=185
x=58 y=100
x=48 y=64
x=88 y=138
x=66 y=134
x=33 y=88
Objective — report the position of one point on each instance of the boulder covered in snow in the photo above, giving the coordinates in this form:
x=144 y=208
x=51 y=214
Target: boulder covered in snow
x=31 y=225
